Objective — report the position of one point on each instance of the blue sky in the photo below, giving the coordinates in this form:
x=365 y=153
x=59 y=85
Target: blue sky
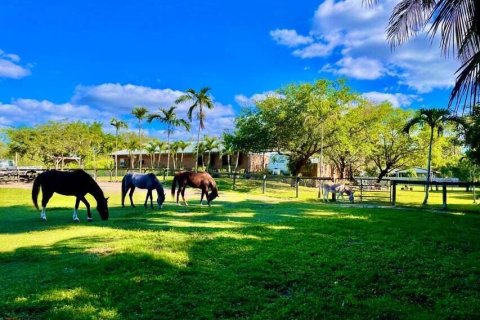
x=92 y=60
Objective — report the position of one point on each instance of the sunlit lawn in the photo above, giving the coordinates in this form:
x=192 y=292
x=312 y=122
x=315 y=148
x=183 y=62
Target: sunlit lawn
x=248 y=256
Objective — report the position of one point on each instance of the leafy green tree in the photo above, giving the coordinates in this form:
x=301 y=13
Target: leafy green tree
x=169 y=117
x=391 y=148
x=472 y=135
x=294 y=121
x=457 y=23
x=117 y=124
x=140 y=113
x=200 y=100
x=435 y=119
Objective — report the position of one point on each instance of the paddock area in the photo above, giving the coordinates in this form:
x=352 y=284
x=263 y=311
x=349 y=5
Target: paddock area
x=250 y=255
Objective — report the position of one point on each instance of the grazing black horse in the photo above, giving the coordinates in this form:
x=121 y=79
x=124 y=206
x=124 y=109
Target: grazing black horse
x=202 y=180
x=69 y=183
x=143 y=181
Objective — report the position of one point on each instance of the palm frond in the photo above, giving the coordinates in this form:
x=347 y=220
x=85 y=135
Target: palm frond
x=408 y=18
x=466 y=91
x=412 y=122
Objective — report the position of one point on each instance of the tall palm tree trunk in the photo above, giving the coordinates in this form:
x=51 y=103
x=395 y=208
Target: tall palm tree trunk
x=181 y=160
x=140 y=142
x=198 y=142
x=168 y=146
x=116 y=155
x=429 y=162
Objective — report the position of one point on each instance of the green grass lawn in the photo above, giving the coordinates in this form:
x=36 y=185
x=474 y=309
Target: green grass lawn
x=248 y=256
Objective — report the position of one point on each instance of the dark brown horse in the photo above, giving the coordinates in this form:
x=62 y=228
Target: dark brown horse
x=203 y=181
x=69 y=183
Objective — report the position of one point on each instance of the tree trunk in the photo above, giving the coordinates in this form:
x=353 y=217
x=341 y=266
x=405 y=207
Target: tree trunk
x=298 y=165
x=168 y=154
x=427 y=190
x=116 y=155
x=228 y=163
x=237 y=160
x=198 y=143
x=181 y=160
x=383 y=173
x=140 y=143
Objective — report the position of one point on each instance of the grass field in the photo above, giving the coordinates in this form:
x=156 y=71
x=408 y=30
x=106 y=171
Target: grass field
x=248 y=256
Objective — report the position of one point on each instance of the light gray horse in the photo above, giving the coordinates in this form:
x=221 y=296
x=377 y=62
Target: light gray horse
x=143 y=181
x=338 y=189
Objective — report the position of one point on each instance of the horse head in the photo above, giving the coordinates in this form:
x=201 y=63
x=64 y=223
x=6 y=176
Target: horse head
x=212 y=195
x=160 y=198
x=102 y=208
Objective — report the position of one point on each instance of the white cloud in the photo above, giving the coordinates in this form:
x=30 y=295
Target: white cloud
x=101 y=103
x=314 y=50
x=245 y=101
x=9 y=67
x=357 y=33
x=289 y=38
x=122 y=98
x=396 y=99
x=358 y=68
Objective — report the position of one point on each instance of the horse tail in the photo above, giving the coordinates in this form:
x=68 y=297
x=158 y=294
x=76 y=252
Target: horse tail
x=124 y=189
x=35 y=189
x=174 y=182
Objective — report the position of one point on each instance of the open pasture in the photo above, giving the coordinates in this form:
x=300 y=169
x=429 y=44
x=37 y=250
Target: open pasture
x=248 y=256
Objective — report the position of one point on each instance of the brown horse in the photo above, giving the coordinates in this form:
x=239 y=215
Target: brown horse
x=195 y=180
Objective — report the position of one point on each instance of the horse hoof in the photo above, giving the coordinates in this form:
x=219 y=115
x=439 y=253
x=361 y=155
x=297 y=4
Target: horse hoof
x=76 y=220
x=89 y=219
x=43 y=219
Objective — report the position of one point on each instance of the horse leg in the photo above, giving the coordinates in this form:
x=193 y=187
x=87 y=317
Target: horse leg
x=46 y=195
x=75 y=210
x=151 y=199
x=183 y=195
x=87 y=205
x=124 y=193
x=201 y=198
x=178 y=193
x=325 y=195
x=130 y=195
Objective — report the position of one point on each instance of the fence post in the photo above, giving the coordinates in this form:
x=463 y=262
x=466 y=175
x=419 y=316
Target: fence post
x=444 y=195
x=361 y=190
x=394 y=193
x=234 y=180
x=264 y=184
x=297 y=181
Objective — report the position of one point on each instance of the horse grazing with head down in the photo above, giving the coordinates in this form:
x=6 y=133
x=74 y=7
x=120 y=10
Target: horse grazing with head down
x=143 y=181
x=338 y=189
x=203 y=181
x=69 y=183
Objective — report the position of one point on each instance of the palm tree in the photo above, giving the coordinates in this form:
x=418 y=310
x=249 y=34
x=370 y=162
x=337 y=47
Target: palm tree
x=174 y=150
x=140 y=113
x=200 y=100
x=200 y=150
x=169 y=117
x=160 y=147
x=132 y=145
x=435 y=119
x=182 y=145
x=457 y=22
x=210 y=144
x=118 y=124
x=151 y=147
